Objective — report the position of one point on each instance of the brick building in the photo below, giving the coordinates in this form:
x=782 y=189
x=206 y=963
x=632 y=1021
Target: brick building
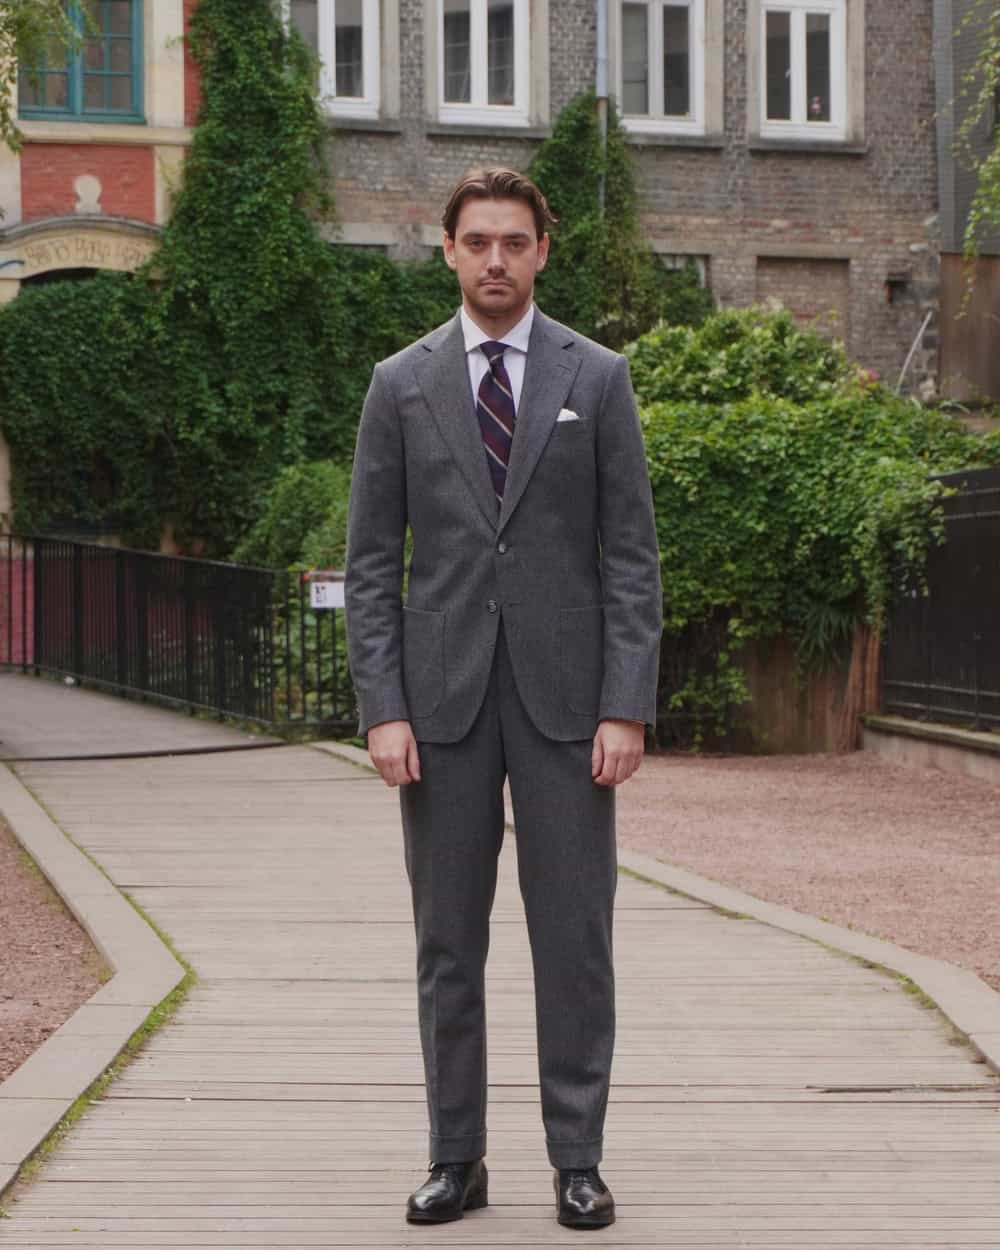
x=789 y=146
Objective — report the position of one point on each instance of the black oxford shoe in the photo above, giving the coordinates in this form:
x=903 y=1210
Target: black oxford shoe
x=449 y=1191
x=582 y=1198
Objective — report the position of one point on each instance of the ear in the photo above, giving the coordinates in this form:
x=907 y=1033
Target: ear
x=543 y=253
x=449 y=251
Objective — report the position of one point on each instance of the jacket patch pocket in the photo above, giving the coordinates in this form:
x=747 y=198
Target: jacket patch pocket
x=581 y=657
x=423 y=659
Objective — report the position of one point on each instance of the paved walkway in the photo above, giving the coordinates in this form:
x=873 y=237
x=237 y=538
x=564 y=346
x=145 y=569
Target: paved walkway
x=766 y=1092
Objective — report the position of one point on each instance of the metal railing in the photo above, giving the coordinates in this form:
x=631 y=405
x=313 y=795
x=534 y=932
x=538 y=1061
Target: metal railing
x=942 y=651
x=201 y=634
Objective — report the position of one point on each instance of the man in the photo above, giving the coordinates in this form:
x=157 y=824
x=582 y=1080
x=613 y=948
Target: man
x=527 y=648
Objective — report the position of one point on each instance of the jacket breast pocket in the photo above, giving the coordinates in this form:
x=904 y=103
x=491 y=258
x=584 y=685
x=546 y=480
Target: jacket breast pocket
x=581 y=657
x=423 y=659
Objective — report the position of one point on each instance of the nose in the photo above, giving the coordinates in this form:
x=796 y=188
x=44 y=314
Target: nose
x=495 y=263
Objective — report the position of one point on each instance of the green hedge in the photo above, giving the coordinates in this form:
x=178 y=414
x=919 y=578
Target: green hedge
x=791 y=494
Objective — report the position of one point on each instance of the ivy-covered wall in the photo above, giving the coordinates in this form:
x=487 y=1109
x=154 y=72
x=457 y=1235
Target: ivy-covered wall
x=173 y=398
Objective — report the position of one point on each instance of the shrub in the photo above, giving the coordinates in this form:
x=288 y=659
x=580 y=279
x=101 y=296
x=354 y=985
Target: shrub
x=304 y=498
x=776 y=515
x=602 y=277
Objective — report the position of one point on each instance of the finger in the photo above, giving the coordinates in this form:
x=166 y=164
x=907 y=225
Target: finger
x=607 y=774
x=597 y=757
x=413 y=760
x=391 y=771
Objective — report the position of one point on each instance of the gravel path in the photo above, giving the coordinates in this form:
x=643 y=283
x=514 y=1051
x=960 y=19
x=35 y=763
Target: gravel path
x=910 y=855
x=48 y=964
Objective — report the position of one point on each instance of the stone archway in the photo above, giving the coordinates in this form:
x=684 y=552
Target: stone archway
x=71 y=243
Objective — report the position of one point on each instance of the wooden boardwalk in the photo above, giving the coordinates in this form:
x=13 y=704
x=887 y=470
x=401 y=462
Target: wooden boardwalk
x=766 y=1092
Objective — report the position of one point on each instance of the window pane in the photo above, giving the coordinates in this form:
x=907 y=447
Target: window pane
x=457 y=83
x=93 y=54
x=121 y=94
x=305 y=16
x=778 y=56
x=30 y=94
x=500 y=51
x=93 y=91
x=349 y=48
x=57 y=91
x=818 y=67
x=635 y=59
x=121 y=56
x=676 y=60
x=119 y=17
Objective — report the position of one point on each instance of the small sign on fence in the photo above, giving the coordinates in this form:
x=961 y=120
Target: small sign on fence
x=326 y=588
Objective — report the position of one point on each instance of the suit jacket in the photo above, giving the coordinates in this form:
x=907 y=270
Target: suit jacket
x=570 y=559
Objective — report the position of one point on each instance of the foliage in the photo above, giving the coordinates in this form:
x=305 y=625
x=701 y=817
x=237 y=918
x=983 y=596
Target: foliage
x=602 y=277
x=80 y=402
x=790 y=496
x=734 y=354
x=981 y=89
x=304 y=497
x=29 y=29
x=245 y=345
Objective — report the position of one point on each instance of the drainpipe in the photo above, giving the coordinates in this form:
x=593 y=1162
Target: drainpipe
x=601 y=88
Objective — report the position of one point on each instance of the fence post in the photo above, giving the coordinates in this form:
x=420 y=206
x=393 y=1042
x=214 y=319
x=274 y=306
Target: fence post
x=121 y=620
x=187 y=578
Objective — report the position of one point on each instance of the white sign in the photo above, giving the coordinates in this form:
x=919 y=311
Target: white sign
x=324 y=593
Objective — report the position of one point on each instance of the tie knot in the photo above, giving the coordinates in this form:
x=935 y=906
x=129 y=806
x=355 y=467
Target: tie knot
x=493 y=350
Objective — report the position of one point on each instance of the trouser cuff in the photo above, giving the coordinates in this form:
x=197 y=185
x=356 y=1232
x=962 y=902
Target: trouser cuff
x=575 y=1154
x=457 y=1149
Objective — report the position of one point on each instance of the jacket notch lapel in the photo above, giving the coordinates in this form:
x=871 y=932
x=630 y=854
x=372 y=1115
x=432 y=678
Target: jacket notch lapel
x=443 y=378
x=549 y=373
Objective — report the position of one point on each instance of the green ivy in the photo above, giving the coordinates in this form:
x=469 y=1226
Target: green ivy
x=177 y=395
x=602 y=277
x=792 y=493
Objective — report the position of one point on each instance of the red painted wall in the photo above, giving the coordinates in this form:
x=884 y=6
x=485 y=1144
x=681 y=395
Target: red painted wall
x=192 y=75
x=127 y=175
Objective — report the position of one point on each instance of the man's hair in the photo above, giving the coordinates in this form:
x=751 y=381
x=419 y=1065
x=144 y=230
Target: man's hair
x=496 y=183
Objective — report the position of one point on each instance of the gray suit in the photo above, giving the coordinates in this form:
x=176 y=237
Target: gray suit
x=526 y=624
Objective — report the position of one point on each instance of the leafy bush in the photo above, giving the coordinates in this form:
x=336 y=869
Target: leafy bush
x=776 y=515
x=602 y=277
x=304 y=498
x=732 y=355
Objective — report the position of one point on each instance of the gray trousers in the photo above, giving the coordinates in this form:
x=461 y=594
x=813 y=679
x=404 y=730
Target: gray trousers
x=453 y=828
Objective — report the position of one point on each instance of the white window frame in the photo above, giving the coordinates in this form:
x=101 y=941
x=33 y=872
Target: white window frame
x=368 y=105
x=798 y=127
x=657 y=122
x=477 y=111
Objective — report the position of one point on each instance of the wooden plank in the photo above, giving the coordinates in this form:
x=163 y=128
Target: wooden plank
x=284 y=1104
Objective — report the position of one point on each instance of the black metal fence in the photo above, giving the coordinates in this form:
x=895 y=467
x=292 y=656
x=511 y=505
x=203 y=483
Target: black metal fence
x=942 y=652
x=225 y=638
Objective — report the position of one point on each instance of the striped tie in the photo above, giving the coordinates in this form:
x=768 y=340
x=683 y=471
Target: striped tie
x=495 y=408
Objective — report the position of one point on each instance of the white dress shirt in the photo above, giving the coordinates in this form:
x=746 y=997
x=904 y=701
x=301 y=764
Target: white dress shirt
x=517 y=341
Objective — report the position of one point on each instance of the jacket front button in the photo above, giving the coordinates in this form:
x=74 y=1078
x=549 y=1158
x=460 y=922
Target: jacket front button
x=492 y=605
x=501 y=547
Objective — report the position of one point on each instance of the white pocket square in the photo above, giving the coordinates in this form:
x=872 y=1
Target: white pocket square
x=567 y=414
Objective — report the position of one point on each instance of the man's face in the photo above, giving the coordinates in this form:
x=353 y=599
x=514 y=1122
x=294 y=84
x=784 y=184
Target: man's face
x=496 y=255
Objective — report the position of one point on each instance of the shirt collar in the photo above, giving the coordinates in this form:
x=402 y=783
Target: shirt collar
x=517 y=337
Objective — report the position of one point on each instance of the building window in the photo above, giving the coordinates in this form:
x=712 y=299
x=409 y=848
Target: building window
x=345 y=36
x=804 y=68
x=484 y=61
x=661 y=64
x=100 y=82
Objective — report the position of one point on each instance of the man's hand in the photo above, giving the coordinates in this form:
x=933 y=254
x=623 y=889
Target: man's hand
x=393 y=751
x=618 y=749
